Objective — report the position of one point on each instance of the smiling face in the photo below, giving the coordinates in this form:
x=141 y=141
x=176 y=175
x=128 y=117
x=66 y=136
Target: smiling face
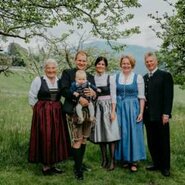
x=50 y=70
x=151 y=62
x=81 y=61
x=81 y=80
x=100 y=67
x=126 y=65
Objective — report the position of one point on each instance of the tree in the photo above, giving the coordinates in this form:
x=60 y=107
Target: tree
x=64 y=53
x=172 y=33
x=25 y=19
x=5 y=63
x=18 y=54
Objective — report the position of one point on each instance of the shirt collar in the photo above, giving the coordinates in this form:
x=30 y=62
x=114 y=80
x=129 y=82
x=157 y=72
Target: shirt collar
x=152 y=72
x=100 y=74
x=130 y=74
x=45 y=77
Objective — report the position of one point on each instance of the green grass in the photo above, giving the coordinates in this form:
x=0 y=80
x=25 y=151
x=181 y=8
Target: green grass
x=15 y=123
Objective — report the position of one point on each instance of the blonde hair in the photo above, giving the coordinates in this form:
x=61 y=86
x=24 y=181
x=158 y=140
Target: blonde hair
x=130 y=58
x=80 y=53
x=80 y=73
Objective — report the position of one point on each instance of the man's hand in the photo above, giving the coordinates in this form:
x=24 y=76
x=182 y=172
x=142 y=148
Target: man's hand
x=84 y=102
x=165 y=119
x=90 y=92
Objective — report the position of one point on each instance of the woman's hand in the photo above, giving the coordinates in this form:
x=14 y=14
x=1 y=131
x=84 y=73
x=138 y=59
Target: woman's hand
x=139 y=117
x=113 y=116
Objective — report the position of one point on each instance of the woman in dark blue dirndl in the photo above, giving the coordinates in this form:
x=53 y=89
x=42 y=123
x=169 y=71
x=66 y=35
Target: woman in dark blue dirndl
x=49 y=142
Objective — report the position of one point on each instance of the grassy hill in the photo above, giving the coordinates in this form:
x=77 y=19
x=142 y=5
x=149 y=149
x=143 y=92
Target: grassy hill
x=15 y=123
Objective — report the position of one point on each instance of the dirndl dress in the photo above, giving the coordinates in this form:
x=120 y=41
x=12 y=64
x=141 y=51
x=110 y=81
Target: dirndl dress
x=104 y=130
x=49 y=139
x=131 y=147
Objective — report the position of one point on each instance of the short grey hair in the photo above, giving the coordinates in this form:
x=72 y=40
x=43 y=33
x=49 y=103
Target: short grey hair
x=150 y=54
x=50 y=61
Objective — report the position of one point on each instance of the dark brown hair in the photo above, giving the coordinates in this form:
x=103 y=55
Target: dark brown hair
x=100 y=58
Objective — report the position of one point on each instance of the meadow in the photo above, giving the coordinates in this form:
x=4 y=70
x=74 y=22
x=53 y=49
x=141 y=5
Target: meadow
x=15 y=123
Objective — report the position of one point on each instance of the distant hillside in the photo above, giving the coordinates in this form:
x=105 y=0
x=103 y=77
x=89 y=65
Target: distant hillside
x=137 y=51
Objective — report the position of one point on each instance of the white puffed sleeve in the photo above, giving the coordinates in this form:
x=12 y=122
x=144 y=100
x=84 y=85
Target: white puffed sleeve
x=34 y=89
x=141 y=87
x=113 y=88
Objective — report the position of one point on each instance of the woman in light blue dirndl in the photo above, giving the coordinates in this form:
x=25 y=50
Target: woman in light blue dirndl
x=130 y=105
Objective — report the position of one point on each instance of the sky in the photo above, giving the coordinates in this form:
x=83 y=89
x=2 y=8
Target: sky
x=147 y=38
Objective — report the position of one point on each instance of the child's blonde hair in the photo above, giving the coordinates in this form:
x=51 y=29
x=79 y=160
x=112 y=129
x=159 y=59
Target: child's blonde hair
x=80 y=74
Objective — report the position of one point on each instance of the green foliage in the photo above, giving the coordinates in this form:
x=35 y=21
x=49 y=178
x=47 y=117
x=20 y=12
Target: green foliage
x=18 y=54
x=172 y=33
x=15 y=49
x=64 y=54
x=5 y=63
x=24 y=19
x=5 y=60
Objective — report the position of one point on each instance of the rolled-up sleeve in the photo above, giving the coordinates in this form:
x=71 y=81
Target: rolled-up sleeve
x=33 y=92
x=141 y=87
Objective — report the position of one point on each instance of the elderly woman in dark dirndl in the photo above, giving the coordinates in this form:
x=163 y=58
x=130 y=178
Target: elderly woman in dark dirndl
x=49 y=135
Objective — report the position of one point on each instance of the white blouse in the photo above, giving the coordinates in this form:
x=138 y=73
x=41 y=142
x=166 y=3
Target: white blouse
x=129 y=80
x=35 y=87
x=101 y=80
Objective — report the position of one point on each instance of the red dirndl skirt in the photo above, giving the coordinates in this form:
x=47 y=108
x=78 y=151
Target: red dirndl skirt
x=49 y=140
